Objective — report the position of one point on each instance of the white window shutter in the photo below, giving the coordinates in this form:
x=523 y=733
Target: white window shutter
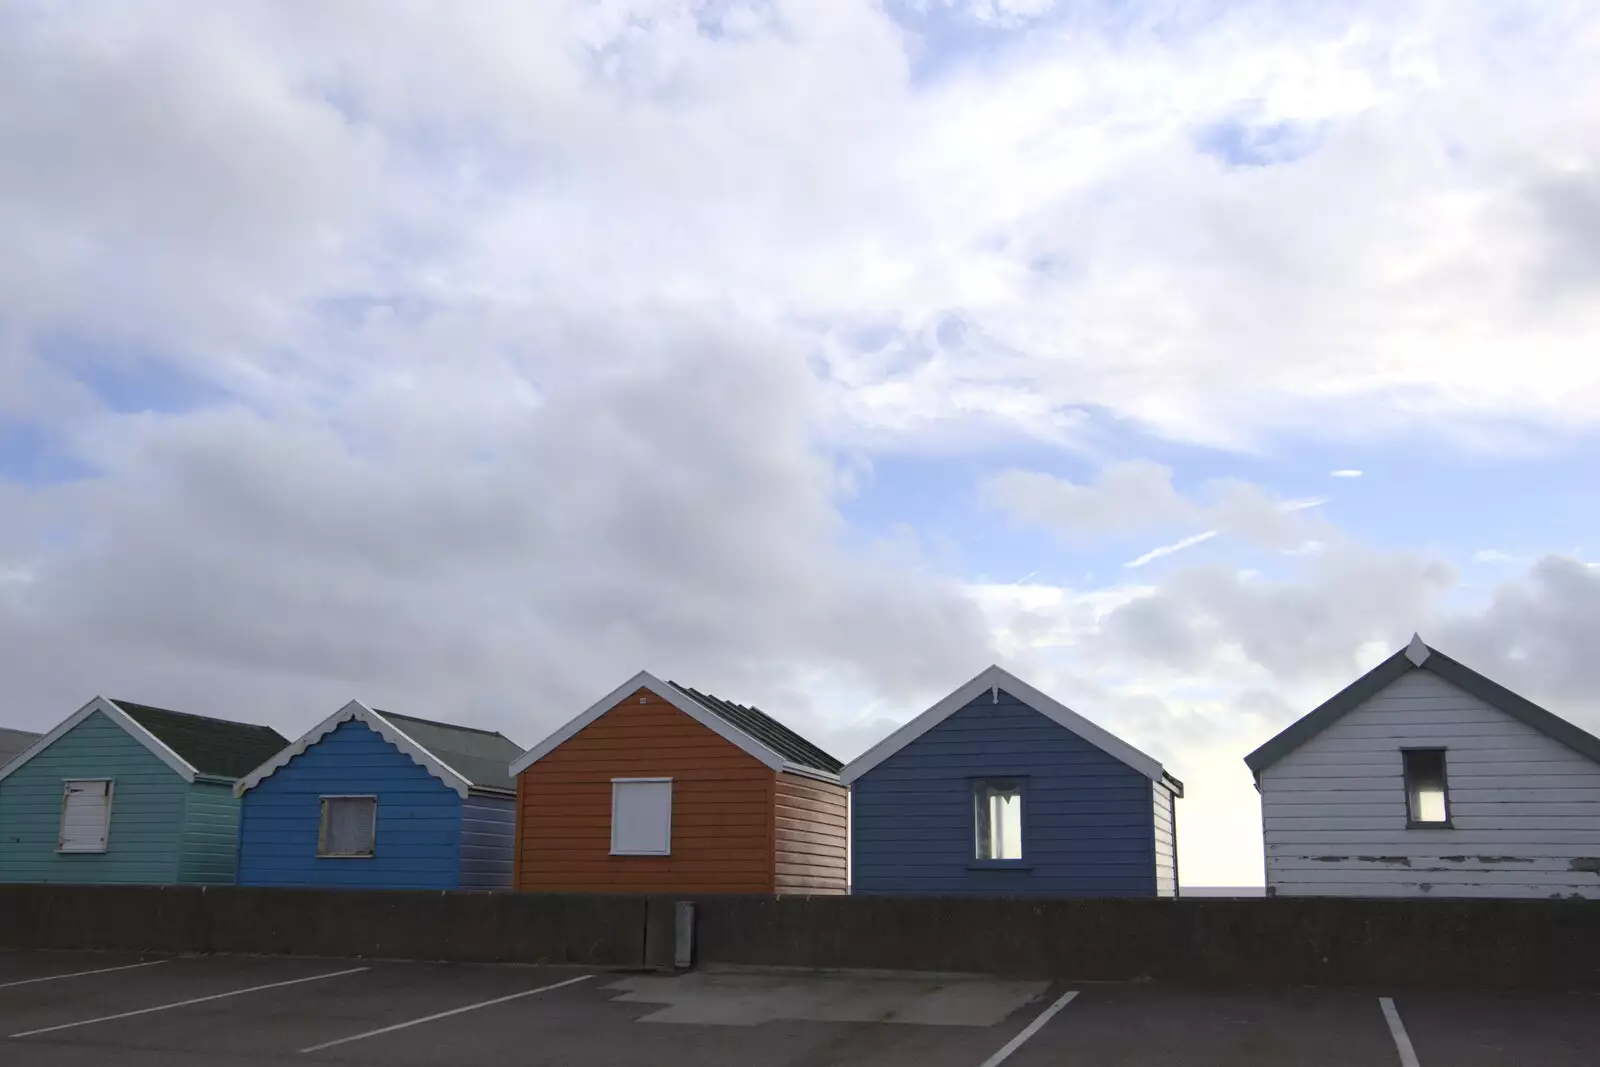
x=85 y=816
x=641 y=817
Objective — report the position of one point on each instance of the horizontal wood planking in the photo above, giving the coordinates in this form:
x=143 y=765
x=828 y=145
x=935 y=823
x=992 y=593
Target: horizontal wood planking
x=1513 y=791
x=417 y=841
x=722 y=807
x=1088 y=818
x=1165 y=841
x=148 y=806
x=812 y=835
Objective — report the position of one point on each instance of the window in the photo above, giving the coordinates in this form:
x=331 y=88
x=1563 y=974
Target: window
x=349 y=827
x=1427 y=796
x=85 y=815
x=997 y=804
x=641 y=816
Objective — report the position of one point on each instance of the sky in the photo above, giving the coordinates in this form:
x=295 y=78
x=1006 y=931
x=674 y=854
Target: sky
x=1184 y=359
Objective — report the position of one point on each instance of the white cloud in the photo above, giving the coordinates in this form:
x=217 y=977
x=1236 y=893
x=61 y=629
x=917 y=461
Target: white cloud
x=1348 y=472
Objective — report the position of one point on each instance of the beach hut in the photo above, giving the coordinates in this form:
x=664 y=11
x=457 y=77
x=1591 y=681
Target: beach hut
x=1000 y=790
x=658 y=787
x=126 y=793
x=1423 y=778
x=377 y=800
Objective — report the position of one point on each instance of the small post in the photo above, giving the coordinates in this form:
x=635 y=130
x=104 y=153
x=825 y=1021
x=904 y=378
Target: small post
x=683 y=936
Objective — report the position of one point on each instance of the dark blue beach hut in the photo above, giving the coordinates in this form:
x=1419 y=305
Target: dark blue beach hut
x=1000 y=790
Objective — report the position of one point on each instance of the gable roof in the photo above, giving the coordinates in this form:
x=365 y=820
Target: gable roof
x=479 y=756
x=1418 y=656
x=758 y=724
x=753 y=731
x=192 y=745
x=14 y=741
x=216 y=748
x=462 y=758
x=995 y=678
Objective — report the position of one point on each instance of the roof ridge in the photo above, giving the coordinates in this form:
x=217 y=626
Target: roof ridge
x=126 y=704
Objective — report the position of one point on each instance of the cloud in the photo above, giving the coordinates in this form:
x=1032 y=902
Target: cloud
x=1348 y=472
x=1136 y=495
x=1130 y=495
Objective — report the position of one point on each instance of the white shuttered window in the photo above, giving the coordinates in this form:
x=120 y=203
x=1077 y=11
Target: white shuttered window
x=85 y=815
x=349 y=826
x=641 y=816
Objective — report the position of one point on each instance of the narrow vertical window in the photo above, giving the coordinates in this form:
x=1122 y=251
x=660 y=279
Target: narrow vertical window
x=997 y=808
x=1427 y=798
x=349 y=827
x=85 y=815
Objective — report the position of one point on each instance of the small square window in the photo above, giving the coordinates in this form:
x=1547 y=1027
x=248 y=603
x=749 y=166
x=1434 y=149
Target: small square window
x=997 y=808
x=349 y=827
x=1427 y=798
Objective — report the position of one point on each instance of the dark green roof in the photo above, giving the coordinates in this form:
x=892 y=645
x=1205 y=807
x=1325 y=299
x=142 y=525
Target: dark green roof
x=1401 y=663
x=764 y=728
x=482 y=757
x=213 y=747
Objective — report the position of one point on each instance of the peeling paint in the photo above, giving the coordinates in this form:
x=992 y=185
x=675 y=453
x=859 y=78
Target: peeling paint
x=1328 y=859
x=1454 y=859
x=1505 y=859
x=1404 y=861
x=1590 y=864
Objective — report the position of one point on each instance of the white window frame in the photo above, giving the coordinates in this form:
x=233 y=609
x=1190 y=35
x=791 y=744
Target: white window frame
x=61 y=844
x=664 y=851
x=322 y=826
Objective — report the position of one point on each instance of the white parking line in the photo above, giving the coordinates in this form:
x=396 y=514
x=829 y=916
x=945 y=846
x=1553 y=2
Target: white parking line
x=1028 y=1031
x=445 y=1014
x=1402 y=1043
x=80 y=974
x=186 y=1003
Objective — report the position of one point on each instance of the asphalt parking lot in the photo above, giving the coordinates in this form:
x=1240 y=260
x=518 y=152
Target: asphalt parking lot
x=73 y=1009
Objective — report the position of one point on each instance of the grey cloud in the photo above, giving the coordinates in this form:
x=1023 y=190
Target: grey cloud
x=1310 y=625
x=671 y=515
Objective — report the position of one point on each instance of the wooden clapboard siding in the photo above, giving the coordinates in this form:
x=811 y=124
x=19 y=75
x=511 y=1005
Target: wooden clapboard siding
x=1088 y=818
x=1525 y=808
x=1166 y=838
x=812 y=828
x=210 y=843
x=147 y=811
x=417 y=844
x=722 y=807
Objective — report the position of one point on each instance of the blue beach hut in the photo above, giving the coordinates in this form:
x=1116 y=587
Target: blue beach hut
x=1000 y=790
x=375 y=800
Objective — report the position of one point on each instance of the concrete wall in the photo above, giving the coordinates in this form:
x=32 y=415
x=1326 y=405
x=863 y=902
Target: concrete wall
x=420 y=925
x=1283 y=941
x=1515 y=944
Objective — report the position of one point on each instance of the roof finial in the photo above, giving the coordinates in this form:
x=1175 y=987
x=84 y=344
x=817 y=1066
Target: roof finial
x=1416 y=651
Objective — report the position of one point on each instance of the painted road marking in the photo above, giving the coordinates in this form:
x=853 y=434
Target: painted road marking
x=1032 y=1028
x=80 y=974
x=1402 y=1043
x=186 y=1003
x=446 y=1014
